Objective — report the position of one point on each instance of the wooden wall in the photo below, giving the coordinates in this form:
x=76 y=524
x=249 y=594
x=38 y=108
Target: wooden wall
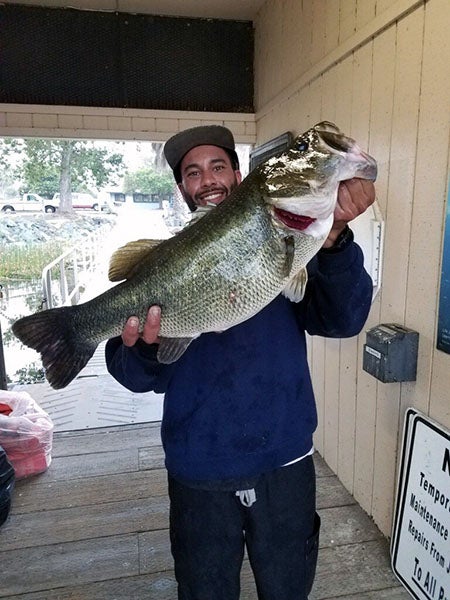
x=380 y=70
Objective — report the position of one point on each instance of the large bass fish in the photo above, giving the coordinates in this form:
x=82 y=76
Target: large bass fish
x=219 y=271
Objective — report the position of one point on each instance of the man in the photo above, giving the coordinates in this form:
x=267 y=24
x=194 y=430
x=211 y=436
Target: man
x=239 y=411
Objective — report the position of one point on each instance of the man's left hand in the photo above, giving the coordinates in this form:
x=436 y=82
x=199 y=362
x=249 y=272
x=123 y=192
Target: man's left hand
x=354 y=197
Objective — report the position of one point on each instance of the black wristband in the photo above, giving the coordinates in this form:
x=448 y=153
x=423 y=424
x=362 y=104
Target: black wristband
x=341 y=242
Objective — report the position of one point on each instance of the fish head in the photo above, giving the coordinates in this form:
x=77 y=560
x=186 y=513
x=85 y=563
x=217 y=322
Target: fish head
x=301 y=184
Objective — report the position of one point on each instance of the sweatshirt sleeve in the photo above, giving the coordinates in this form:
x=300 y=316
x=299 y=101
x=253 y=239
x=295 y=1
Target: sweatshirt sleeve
x=136 y=367
x=338 y=294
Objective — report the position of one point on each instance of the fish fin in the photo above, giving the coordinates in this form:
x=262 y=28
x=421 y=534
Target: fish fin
x=290 y=250
x=170 y=349
x=295 y=289
x=51 y=333
x=125 y=258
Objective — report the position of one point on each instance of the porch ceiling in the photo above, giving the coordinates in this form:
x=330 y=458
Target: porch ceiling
x=245 y=10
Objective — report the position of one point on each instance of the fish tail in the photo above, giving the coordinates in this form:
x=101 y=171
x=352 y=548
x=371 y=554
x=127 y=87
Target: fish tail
x=53 y=333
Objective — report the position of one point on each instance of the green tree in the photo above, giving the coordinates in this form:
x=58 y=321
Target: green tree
x=68 y=166
x=148 y=181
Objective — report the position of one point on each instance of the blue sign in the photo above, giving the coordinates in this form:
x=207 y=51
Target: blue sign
x=443 y=333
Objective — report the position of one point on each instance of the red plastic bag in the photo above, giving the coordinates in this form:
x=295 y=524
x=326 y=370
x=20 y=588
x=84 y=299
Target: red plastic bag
x=26 y=433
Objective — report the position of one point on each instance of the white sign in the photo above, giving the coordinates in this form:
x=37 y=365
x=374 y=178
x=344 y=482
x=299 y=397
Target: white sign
x=421 y=534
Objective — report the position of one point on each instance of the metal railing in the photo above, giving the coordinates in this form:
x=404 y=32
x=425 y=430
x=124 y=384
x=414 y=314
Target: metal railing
x=3 y=378
x=64 y=279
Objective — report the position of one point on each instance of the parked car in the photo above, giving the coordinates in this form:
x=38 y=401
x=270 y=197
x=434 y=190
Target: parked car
x=81 y=200
x=29 y=202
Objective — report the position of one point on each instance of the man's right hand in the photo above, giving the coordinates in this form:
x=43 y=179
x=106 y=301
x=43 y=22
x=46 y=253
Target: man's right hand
x=150 y=332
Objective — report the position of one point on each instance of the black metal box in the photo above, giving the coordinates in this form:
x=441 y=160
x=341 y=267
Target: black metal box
x=390 y=353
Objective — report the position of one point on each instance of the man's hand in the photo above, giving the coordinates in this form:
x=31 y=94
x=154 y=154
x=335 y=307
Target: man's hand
x=354 y=197
x=149 y=334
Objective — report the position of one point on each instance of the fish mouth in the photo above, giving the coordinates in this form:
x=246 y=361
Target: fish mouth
x=293 y=221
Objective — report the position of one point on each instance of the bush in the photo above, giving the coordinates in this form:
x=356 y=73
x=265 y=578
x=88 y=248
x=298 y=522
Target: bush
x=26 y=262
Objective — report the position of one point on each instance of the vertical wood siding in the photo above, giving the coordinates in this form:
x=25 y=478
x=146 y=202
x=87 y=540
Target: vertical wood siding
x=380 y=70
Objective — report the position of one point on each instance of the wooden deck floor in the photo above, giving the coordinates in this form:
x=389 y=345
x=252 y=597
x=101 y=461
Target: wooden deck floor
x=94 y=526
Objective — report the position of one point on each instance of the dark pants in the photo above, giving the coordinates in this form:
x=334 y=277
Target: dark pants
x=209 y=529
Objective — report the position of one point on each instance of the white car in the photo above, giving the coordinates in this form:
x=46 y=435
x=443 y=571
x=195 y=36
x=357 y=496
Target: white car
x=29 y=202
x=82 y=200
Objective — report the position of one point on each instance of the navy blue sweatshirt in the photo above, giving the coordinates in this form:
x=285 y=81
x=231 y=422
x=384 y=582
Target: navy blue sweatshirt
x=240 y=403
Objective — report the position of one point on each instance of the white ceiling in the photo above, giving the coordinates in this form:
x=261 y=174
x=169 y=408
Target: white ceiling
x=241 y=10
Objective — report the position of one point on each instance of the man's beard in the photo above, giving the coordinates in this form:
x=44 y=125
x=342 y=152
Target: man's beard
x=193 y=203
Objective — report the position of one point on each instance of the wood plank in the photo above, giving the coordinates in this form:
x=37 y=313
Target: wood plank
x=365 y=13
x=322 y=469
x=81 y=492
x=331 y=412
x=345 y=383
x=61 y=565
x=393 y=593
x=331 y=28
x=154 y=552
x=368 y=389
x=347 y=19
x=88 y=522
x=364 y=417
x=90 y=465
x=106 y=438
x=318 y=32
x=327 y=364
x=346 y=525
x=382 y=90
x=316 y=353
x=352 y=569
x=150 y=586
x=331 y=492
x=151 y=458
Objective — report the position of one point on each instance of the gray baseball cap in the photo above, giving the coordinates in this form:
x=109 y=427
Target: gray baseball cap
x=204 y=135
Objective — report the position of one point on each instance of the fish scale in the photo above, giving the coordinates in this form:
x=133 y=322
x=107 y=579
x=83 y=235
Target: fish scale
x=219 y=271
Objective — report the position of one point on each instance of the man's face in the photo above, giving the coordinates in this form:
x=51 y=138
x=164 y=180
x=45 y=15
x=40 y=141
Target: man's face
x=207 y=175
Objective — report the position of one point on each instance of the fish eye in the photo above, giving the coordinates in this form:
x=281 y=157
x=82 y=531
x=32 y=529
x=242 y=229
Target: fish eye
x=302 y=146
